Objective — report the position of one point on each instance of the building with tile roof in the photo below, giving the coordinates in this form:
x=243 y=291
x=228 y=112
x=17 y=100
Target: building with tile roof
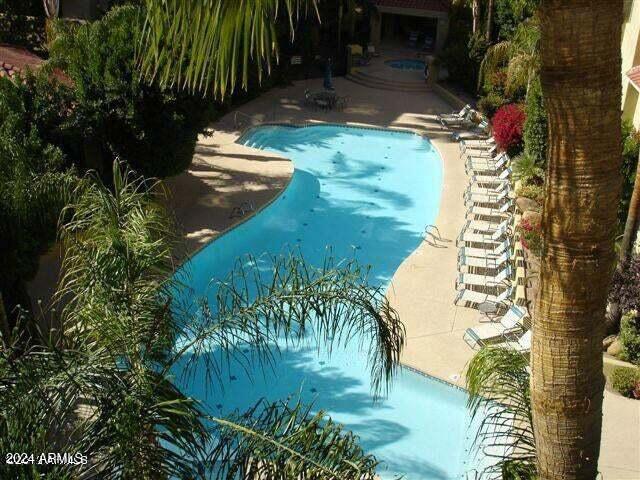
x=631 y=63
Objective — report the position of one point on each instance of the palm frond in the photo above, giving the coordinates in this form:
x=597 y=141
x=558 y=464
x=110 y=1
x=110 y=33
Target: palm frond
x=288 y=299
x=282 y=441
x=210 y=45
x=499 y=396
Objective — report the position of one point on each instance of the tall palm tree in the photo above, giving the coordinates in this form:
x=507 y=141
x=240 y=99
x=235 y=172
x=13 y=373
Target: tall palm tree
x=104 y=384
x=581 y=62
x=210 y=45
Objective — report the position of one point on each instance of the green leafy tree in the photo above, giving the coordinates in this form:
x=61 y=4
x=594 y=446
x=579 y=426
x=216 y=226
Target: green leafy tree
x=536 y=126
x=104 y=385
x=116 y=114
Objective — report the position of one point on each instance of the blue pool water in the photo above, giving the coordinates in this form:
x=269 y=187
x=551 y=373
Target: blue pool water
x=406 y=64
x=367 y=193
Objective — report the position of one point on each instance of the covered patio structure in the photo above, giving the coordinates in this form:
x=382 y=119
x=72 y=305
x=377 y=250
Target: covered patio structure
x=418 y=24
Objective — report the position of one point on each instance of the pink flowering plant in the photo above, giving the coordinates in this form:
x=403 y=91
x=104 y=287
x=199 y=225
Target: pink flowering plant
x=531 y=236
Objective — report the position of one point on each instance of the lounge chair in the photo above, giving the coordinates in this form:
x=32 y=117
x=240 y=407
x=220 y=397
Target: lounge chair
x=491 y=179
x=480 y=152
x=493 y=252
x=465 y=121
x=455 y=115
x=481 y=226
x=485 y=333
x=467 y=236
x=467 y=296
x=488 y=262
x=502 y=211
x=522 y=344
x=481 y=143
x=487 y=166
x=481 y=132
x=496 y=199
x=466 y=280
x=495 y=188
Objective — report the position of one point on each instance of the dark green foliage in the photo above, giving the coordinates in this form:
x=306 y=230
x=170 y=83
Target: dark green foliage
x=36 y=178
x=509 y=13
x=630 y=337
x=535 y=126
x=463 y=52
x=630 y=151
x=118 y=115
x=626 y=381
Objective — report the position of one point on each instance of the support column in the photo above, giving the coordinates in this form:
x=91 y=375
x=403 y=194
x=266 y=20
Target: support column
x=443 y=31
x=376 y=29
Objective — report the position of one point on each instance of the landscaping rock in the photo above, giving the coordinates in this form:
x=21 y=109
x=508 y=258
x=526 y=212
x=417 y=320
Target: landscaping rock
x=526 y=204
x=608 y=341
x=615 y=348
x=534 y=218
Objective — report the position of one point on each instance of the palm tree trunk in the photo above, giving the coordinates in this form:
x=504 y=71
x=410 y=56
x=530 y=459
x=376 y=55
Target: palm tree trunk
x=631 y=227
x=581 y=84
x=489 y=20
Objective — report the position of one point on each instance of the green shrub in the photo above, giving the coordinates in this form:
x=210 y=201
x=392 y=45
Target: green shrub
x=630 y=337
x=532 y=191
x=535 y=126
x=36 y=178
x=118 y=114
x=526 y=170
x=490 y=103
x=626 y=381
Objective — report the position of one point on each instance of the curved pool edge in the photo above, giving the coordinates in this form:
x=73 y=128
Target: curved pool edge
x=247 y=130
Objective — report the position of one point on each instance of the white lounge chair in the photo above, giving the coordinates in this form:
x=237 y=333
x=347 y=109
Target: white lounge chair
x=480 y=152
x=464 y=121
x=490 y=262
x=497 y=199
x=485 y=333
x=470 y=236
x=490 y=162
x=522 y=344
x=466 y=280
x=455 y=115
x=495 y=188
x=467 y=296
x=482 y=226
x=494 y=251
x=482 y=143
x=480 y=132
x=494 y=166
x=502 y=211
x=492 y=179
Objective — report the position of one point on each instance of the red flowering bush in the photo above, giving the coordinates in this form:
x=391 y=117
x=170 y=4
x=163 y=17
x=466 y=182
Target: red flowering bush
x=531 y=236
x=508 y=124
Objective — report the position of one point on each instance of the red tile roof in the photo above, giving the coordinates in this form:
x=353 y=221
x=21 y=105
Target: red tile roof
x=634 y=76
x=433 y=5
x=14 y=59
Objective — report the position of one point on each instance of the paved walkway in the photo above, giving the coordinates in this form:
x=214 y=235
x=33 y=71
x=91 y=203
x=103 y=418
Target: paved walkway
x=225 y=175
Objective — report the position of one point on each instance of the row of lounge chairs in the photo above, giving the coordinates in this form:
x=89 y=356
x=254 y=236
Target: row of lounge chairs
x=485 y=242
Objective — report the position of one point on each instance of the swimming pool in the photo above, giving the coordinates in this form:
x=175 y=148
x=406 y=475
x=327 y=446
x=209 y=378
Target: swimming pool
x=406 y=64
x=368 y=193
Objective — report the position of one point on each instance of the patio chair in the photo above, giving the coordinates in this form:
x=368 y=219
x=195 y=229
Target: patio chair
x=482 y=226
x=495 y=188
x=466 y=296
x=484 y=333
x=488 y=262
x=479 y=152
x=502 y=211
x=464 y=121
x=455 y=115
x=488 y=163
x=492 y=179
x=467 y=236
x=487 y=144
x=496 y=199
x=341 y=102
x=502 y=277
x=521 y=344
x=494 y=251
x=482 y=143
x=481 y=132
